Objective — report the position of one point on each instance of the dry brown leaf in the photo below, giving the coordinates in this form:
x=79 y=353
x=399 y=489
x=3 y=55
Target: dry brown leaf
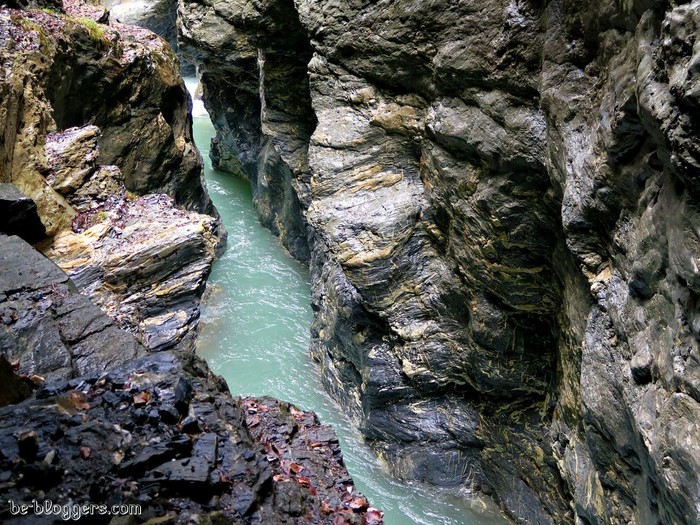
x=296 y=468
x=142 y=398
x=359 y=504
x=373 y=517
x=78 y=400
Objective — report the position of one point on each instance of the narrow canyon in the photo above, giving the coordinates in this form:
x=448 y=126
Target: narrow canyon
x=495 y=203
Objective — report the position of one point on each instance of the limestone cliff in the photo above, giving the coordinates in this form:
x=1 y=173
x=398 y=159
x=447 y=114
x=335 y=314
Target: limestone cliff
x=498 y=200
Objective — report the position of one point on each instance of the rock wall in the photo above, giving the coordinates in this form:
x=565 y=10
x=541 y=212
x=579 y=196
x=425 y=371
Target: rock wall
x=104 y=414
x=499 y=199
x=159 y=16
x=96 y=131
x=66 y=71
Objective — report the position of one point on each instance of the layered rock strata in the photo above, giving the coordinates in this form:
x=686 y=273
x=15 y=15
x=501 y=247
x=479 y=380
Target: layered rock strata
x=97 y=132
x=141 y=259
x=49 y=329
x=499 y=200
x=65 y=71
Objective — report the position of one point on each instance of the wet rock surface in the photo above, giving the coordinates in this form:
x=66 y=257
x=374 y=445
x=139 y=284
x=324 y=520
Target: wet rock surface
x=66 y=71
x=163 y=433
x=46 y=326
x=159 y=16
x=499 y=201
x=141 y=259
x=144 y=262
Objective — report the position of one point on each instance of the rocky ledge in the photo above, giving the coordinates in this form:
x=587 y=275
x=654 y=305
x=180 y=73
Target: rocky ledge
x=104 y=423
x=141 y=259
x=163 y=433
x=97 y=133
x=48 y=329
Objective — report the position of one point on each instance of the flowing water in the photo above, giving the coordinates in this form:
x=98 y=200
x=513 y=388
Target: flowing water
x=255 y=333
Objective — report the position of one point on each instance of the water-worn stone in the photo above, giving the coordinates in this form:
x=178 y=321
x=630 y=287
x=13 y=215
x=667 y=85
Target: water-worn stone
x=48 y=327
x=500 y=201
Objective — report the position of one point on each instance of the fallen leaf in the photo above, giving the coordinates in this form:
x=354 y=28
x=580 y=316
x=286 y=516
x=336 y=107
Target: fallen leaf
x=296 y=468
x=359 y=504
x=78 y=400
x=142 y=398
x=254 y=421
x=306 y=482
x=373 y=517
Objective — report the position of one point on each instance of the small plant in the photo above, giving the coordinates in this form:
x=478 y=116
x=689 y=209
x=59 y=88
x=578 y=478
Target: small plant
x=95 y=31
x=100 y=216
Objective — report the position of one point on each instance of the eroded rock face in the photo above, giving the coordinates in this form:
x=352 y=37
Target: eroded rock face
x=143 y=259
x=264 y=139
x=46 y=326
x=68 y=71
x=159 y=16
x=500 y=207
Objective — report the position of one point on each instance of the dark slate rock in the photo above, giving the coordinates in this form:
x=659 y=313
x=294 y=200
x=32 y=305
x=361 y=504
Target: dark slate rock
x=97 y=454
x=19 y=215
x=48 y=327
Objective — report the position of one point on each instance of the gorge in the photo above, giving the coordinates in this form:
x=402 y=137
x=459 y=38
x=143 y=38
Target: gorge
x=106 y=414
x=255 y=333
x=496 y=202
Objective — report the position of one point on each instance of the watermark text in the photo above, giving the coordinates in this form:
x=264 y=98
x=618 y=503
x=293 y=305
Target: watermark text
x=72 y=511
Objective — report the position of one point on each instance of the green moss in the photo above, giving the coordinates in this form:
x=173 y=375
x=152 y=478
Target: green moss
x=96 y=32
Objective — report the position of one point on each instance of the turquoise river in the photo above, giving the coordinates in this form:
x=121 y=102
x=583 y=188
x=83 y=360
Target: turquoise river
x=255 y=333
